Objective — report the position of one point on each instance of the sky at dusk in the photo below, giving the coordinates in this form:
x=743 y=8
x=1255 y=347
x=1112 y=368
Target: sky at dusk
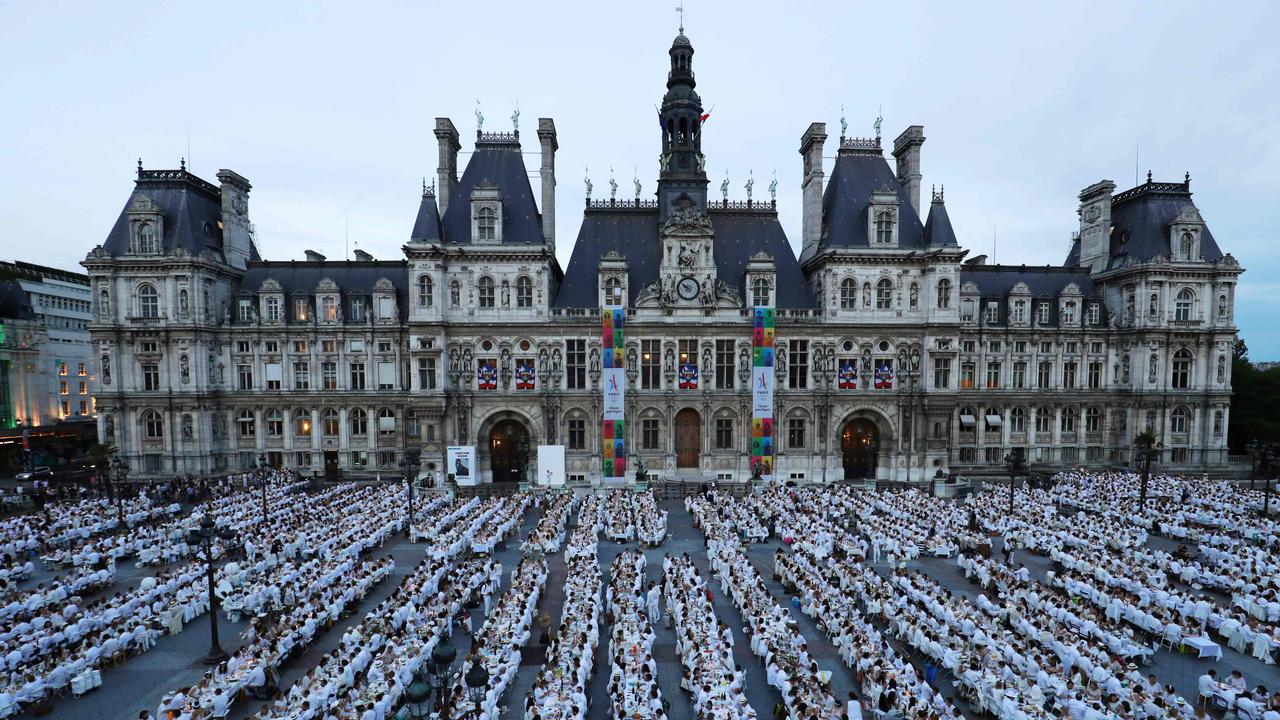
x=327 y=108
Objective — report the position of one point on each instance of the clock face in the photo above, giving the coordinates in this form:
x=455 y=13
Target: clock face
x=688 y=288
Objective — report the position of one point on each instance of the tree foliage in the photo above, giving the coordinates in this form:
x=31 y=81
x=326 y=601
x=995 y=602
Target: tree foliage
x=1255 y=401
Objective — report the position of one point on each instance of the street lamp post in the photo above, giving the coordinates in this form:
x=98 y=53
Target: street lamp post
x=409 y=468
x=117 y=473
x=1264 y=459
x=262 y=471
x=442 y=673
x=203 y=538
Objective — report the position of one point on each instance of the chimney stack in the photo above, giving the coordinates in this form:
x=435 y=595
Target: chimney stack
x=313 y=256
x=811 y=144
x=1095 y=225
x=906 y=149
x=547 y=136
x=237 y=240
x=361 y=255
x=447 y=136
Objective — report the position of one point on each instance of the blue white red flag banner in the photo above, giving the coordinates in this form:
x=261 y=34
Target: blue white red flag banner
x=688 y=376
x=526 y=375
x=884 y=375
x=486 y=375
x=848 y=378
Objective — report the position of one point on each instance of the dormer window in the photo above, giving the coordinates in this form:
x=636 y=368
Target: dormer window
x=760 y=292
x=1042 y=313
x=884 y=228
x=1019 y=313
x=329 y=308
x=1185 y=245
x=146 y=239
x=612 y=292
x=301 y=309
x=357 y=309
x=426 y=291
x=486 y=225
x=1095 y=313
x=1069 y=312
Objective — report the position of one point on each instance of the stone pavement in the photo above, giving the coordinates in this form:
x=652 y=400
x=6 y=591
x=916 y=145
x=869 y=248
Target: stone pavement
x=176 y=660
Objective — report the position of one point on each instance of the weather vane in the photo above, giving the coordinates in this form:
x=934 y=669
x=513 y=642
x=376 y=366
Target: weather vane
x=680 y=9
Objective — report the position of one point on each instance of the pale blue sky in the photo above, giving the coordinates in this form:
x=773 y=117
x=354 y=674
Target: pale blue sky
x=327 y=108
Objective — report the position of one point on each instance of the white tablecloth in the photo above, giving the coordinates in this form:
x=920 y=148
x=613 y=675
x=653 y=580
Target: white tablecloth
x=1206 y=647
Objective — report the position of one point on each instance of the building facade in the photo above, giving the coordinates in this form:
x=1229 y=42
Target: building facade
x=47 y=372
x=896 y=354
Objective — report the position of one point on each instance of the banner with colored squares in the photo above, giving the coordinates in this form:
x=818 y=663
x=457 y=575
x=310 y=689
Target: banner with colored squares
x=762 y=378
x=613 y=361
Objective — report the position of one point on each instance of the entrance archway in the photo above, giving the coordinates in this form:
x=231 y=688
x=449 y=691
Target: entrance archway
x=859 y=446
x=688 y=438
x=508 y=451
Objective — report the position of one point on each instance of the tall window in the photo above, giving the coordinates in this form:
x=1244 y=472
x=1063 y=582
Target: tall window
x=1044 y=420
x=524 y=292
x=275 y=423
x=1095 y=313
x=649 y=433
x=968 y=373
x=1093 y=420
x=485 y=288
x=1184 y=246
x=244 y=377
x=1018 y=314
x=1068 y=420
x=152 y=425
x=993 y=312
x=724 y=364
x=301 y=376
x=148 y=302
x=612 y=292
x=575 y=363
x=1181 y=369
x=1178 y=420
x=942 y=373
x=1069 y=312
x=386 y=421
x=944 y=293
x=150 y=376
x=426 y=291
x=357 y=376
x=427 y=373
x=1183 y=304
x=271 y=309
x=147 y=244
x=1017 y=420
x=759 y=292
x=486 y=224
x=329 y=308
x=358 y=422
x=884 y=228
x=357 y=309
x=329 y=375
x=1042 y=313
x=329 y=422
x=848 y=294
x=246 y=424
x=993 y=376
x=1044 y=375
x=577 y=434
x=795 y=433
x=650 y=364
x=724 y=433
x=884 y=294
x=798 y=364
x=1068 y=375
x=1095 y=375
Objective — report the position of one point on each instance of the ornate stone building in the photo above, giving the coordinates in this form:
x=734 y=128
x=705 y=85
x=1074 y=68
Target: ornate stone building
x=895 y=355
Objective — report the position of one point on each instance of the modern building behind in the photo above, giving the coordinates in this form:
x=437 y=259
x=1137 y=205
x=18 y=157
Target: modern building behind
x=897 y=355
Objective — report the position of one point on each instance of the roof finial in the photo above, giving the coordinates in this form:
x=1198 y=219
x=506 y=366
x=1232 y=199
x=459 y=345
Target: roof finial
x=182 y=163
x=1186 y=179
x=139 y=167
x=680 y=9
x=1148 y=176
x=424 y=186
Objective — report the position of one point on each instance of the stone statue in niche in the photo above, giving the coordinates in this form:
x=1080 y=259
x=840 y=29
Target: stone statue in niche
x=780 y=359
x=707 y=364
x=184 y=367
x=187 y=427
x=506 y=294
x=109 y=427
x=915 y=295
x=595 y=359
x=866 y=295
x=555 y=362
x=1124 y=368
x=453 y=361
x=1222 y=306
x=688 y=255
x=106 y=369
x=1152 y=369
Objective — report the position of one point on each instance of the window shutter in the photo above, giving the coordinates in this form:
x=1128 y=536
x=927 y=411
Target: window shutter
x=386 y=373
x=275 y=372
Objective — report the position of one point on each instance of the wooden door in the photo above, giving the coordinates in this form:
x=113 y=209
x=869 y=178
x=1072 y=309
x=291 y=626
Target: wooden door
x=859 y=445
x=688 y=438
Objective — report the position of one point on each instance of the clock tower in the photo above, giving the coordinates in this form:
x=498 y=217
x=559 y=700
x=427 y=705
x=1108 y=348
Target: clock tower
x=682 y=176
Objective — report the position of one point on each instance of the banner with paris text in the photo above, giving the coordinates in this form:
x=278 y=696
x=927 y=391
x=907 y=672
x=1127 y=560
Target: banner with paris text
x=613 y=384
x=762 y=379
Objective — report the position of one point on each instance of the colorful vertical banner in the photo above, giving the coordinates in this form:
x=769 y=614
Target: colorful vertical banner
x=884 y=375
x=526 y=376
x=613 y=364
x=486 y=374
x=848 y=378
x=762 y=379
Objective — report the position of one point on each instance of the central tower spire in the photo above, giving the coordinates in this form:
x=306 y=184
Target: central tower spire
x=682 y=179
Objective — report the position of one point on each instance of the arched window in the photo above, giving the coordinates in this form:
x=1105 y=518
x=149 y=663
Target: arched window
x=486 y=224
x=358 y=422
x=455 y=293
x=1178 y=420
x=301 y=423
x=148 y=301
x=760 y=292
x=275 y=423
x=1093 y=420
x=1017 y=420
x=147 y=239
x=386 y=421
x=944 y=293
x=329 y=422
x=152 y=425
x=426 y=291
x=612 y=292
x=848 y=294
x=1181 y=369
x=1044 y=420
x=1068 y=420
x=884 y=228
x=1182 y=306
x=884 y=294
x=988 y=416
x=968 y=420
x=524 y=292
x=485 y=286
x=1185 y=244
x=246 y=423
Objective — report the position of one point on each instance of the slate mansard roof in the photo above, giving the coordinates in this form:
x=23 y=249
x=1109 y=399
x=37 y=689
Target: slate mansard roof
x=192 y=210
x=1140 y=224
x=496 y=162
x=633 y=234
x=354 y=278
x=996 y=282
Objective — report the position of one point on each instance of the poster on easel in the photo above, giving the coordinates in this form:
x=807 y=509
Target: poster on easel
x=461 y=463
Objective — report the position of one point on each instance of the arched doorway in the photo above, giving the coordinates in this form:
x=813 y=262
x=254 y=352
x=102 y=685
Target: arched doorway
x=508 y=451
x=688 y=438
x=859 y=445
